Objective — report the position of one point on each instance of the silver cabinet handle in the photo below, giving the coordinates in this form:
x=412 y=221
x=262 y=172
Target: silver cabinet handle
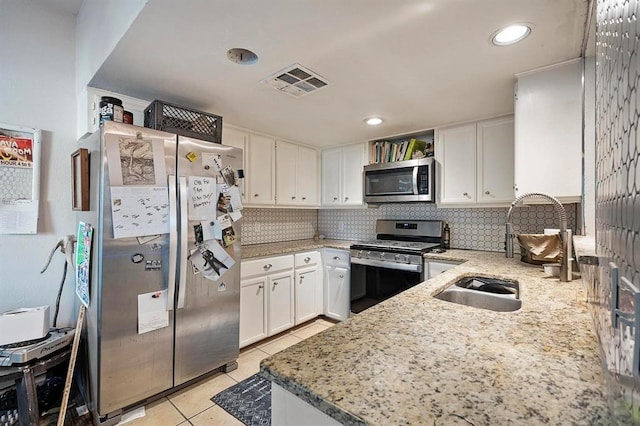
x=346 y=198
x=260 y=286
x=267 y=266
x=336 y=258
x=466 y=194
x=341 y=276
x=275 y=283
x=304 y=198
x=301 y=278
x=256 y=195
x=307 y=259
x=335 y=198
x=486 y=192
x=293 y=198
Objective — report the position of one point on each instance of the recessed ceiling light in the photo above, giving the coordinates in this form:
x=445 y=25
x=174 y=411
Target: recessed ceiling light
x=373 y=121
x=511 y=34
x=242 y=56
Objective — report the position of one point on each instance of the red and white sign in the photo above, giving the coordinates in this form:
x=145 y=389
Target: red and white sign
x=16 y=152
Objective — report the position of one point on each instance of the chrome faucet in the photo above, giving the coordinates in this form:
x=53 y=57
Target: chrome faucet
x=565 y=234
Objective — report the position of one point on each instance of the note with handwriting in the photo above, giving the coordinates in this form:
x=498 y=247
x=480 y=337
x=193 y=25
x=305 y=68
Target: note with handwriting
x=138 y=211
x=203 y=196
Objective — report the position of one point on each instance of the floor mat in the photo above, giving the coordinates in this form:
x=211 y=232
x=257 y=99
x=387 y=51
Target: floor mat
x=249 y=401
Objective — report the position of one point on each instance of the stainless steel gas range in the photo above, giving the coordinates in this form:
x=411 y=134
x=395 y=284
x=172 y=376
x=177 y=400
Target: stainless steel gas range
x=393 y=262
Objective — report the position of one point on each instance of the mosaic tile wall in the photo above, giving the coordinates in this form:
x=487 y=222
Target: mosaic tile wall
x=275 y=225
x=617 y=197
x=476 y=228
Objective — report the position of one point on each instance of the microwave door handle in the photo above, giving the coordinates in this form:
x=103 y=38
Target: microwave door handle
x=415 y=180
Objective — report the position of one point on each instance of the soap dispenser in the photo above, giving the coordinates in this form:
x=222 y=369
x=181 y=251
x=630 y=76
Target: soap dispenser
x=446 y=236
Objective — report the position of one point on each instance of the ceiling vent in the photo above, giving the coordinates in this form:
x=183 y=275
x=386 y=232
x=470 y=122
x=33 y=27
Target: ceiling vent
x=296 y=81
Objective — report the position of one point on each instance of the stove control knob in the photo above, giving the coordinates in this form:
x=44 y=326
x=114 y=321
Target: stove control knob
x=406 y=258
x=361 y=253
x=396 y=258
x=381 y=255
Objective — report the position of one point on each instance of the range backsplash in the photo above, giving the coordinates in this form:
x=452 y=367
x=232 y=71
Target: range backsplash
x=473 y=228
x=476 y=228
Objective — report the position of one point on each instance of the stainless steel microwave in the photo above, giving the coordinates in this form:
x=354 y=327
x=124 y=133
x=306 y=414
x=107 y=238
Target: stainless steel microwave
x=400 y=181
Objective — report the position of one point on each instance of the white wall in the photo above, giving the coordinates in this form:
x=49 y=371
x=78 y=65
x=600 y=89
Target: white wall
x=37 y=89
x=589 y=172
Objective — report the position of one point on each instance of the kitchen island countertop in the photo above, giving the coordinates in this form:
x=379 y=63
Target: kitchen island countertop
x=414 y=359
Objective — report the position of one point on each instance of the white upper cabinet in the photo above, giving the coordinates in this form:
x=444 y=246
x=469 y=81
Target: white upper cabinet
x=296 y=174
x=476 y=162
x=548 y=132
x=456 y=152
x=342 y=176
x=495 y=160
x=260 y=175
x=237 y=138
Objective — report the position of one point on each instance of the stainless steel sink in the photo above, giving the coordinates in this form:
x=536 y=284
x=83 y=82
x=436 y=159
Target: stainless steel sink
x=484 y=293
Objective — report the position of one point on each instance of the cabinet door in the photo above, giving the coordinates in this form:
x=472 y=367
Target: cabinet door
x=456 y=153
x=260 y=174
x=280 y=303
x=337 y=293
x=305 y=294
x=252 y=311
x=286 y=165
x=352 y=168
x=238 y=139
x=331 y=169
x=495 y=160
x=307 y=176
x=548 y=132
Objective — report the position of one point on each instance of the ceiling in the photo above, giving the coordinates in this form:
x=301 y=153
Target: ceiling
x=418 y=64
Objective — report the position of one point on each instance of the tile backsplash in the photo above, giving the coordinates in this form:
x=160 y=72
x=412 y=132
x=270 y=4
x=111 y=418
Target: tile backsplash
x=471 y=228
x=476 y=228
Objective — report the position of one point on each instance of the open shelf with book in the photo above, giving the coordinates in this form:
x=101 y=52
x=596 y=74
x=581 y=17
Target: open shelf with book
x=401 y=148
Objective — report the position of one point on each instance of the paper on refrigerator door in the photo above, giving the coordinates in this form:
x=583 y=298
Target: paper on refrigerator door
x=211 y=260
x=203 y=194
x=138 y=211
x=211 y=230
x=152 y=311
x=135 y=160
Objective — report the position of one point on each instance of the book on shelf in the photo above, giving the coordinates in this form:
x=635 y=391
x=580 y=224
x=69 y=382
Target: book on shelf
x=415 y=145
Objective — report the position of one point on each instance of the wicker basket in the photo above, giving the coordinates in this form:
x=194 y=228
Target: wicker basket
x=538 y=249
x=183 y=121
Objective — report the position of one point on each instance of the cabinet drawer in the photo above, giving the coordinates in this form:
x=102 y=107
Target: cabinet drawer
x=308 y=258
x=338 y=258
x=267 y=265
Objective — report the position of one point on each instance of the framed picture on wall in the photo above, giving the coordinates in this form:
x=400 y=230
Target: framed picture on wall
x=80 y=180
x=19 y=179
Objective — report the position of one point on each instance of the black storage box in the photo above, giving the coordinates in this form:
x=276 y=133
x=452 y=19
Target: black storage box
x=183 y=121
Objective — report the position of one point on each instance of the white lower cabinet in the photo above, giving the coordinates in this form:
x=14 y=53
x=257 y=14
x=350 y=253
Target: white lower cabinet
x=308 y=286
x=337 y=297
x=266 y=298
x=280 y=303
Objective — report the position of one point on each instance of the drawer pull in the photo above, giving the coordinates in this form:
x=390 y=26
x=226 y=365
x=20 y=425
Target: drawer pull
x=307 y=259
x=336 y=258
x=341 y=276
x=268 y=266
x=260 y=286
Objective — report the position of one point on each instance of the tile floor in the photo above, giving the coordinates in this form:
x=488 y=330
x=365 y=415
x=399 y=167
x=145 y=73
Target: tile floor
x=193 y=406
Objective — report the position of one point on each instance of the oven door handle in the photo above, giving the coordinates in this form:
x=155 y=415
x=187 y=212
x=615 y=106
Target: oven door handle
x=388 y=265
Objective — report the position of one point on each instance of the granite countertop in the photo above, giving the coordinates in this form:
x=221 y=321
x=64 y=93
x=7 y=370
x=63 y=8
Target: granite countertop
x=285 y=247
x=414 y=359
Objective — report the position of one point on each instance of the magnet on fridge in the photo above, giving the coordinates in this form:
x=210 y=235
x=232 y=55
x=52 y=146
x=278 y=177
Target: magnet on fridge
x=240 y=174
x=192 y=156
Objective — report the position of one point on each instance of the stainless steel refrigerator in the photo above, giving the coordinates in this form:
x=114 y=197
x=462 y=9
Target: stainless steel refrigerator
x=126 y=366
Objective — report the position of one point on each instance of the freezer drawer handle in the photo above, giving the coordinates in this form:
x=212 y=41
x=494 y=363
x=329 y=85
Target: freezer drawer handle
x=183 y=243
x=173 y=243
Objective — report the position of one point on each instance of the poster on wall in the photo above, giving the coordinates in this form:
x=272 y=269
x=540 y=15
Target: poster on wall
x=19 y=179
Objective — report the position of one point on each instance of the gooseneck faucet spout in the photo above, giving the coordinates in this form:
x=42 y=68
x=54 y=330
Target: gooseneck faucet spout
x=565 y=234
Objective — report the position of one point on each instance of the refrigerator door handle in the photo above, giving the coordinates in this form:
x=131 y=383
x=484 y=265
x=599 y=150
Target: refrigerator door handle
x=183 y=242
x=173 y=243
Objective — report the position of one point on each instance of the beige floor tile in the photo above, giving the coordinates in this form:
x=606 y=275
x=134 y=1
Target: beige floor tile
x=248 y=364
x=215 y=416
x=160 y=412
x=279 y=344
x=309 y=331
x=324 y=322
x=196 y=398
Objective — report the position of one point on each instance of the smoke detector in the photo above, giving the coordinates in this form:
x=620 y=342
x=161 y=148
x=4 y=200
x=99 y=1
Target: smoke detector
x=296 y=81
